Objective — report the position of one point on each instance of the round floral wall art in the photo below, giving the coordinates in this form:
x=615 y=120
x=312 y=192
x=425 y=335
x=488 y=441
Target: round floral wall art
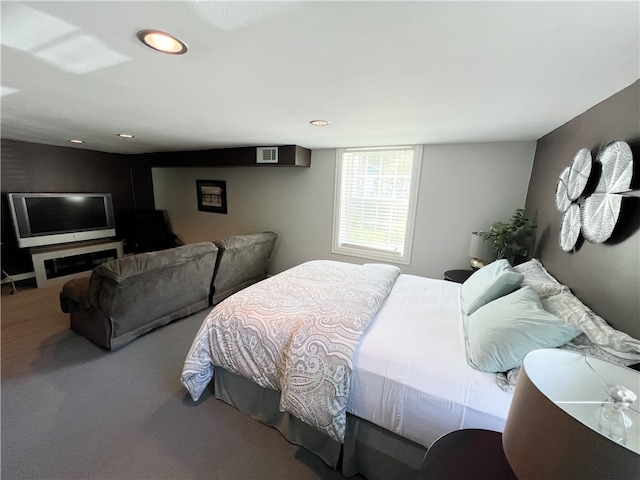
x=594 y=215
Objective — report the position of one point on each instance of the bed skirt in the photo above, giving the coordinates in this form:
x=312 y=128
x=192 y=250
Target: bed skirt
x=369 y=450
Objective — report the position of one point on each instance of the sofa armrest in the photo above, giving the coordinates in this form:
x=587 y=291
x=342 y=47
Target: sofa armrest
x=76 y=291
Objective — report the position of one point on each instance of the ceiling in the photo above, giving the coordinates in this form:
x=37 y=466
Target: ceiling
x=256 y=73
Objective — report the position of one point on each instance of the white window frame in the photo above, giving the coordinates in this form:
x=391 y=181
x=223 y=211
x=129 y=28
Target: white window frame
x=402 y=258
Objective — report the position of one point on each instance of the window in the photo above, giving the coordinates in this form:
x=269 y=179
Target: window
x=375 y=202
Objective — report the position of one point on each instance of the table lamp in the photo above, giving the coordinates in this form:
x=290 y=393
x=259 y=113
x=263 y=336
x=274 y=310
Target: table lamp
x=559 y=424
x=480 y=251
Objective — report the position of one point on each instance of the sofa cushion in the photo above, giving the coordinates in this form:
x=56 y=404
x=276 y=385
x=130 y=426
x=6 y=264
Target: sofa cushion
x=143 y=263
x=242 y=261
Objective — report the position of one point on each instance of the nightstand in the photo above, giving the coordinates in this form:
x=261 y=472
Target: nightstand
x=458 y=276
x=470 y=454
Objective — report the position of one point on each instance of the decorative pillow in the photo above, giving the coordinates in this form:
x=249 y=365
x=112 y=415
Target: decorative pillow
x=487 y=284
x=568 y=307
x=502 y=332
x=540 y=279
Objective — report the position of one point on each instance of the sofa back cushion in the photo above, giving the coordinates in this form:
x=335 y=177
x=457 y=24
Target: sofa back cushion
x=153 y=286
x=242 y=261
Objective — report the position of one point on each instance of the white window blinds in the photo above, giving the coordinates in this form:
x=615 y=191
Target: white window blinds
x=376 y=191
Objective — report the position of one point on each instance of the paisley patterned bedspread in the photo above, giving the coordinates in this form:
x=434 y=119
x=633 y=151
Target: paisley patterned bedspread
x=295 y=332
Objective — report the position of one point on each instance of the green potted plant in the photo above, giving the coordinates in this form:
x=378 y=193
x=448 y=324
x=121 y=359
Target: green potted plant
x=513 y=238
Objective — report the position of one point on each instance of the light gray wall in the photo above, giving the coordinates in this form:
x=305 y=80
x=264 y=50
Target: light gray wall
x=462 y=188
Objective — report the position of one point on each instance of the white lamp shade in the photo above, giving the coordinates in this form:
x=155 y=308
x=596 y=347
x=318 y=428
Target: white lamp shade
x=481 y=249
x=551 y=431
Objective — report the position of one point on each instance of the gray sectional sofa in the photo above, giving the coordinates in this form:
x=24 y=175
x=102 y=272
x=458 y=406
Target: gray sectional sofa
x=125 y=298
x=242 y=261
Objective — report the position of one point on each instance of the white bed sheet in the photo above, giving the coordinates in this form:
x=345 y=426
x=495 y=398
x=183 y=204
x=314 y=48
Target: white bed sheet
x=411 y=374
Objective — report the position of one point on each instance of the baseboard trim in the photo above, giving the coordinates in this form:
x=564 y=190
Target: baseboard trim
x=18 y=276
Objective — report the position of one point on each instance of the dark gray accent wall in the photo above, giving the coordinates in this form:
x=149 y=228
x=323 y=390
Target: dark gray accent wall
x=32 y=167
x=604 y=276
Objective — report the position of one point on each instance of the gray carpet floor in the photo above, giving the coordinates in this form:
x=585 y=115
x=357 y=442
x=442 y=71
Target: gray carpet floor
x=77 y=411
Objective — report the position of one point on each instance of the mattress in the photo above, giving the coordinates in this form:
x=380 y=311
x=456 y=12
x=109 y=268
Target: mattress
x=411 y=374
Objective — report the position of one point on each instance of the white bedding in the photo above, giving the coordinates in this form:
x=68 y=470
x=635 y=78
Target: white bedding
x=411 y=374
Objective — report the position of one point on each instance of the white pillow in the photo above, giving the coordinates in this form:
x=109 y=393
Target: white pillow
x=487 y=284
x=501 y=333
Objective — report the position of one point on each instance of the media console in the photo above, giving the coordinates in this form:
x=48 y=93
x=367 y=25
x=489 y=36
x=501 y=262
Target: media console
x=59 y=263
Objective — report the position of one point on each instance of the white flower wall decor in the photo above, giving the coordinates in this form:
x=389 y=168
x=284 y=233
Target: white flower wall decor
x=594 y=215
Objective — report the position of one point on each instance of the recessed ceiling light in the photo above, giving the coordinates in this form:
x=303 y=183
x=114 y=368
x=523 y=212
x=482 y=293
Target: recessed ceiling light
x=75 y=140
x=163 y=42
x=126 y=135
x=319 y=123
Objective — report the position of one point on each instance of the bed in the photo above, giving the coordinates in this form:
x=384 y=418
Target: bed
x=400 y=375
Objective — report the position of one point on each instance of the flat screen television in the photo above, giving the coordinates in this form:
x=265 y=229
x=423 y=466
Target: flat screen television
x=51 y=218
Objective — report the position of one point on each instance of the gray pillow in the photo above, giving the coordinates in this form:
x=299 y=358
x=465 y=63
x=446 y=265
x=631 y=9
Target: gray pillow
x=502 y=332
x=540 y=279
x=569 y=308
x=487 y=284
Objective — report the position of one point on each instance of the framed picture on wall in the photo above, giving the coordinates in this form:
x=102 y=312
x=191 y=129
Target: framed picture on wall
x=212 y=196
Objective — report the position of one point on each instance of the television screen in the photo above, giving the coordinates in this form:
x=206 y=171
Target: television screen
x=65 y=214
x=51 y=218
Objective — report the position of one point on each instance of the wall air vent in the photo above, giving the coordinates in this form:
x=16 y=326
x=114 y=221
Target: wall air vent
x=267 y=155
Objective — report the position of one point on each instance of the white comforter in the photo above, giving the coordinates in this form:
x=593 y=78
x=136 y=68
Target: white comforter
x=295 y=332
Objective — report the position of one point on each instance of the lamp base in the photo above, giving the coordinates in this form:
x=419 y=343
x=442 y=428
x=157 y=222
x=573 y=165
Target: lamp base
x=476 y=263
